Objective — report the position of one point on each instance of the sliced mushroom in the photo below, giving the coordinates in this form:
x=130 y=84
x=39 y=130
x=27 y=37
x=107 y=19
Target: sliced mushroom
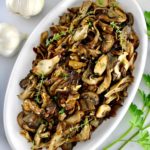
x=32 y=120
x=75 y=118
x=105 y=27
x=26 y=135
x=88 y=101
x=91 y=97
x=29 y=90
x=103 y=110
x=101 y=65
x=84 y=134
x=76 y=64
x=37 y=138
x=107 y=43
x=81 y=33
x=53 y=88
x=130 y=19
x=97 y=37
x=106 y=83
x=31 y=106
x=46 y=66
x=71 y=101
x=118 y=16
x=44 y=36
x=122 y=60
x=67 y=146
x=83 y=10
x=87 y=77
x=124 y=35
x=110 y=99
x=120 y=86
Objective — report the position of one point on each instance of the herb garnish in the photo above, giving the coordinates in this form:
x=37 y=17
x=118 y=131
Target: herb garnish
x=62 y=110
x=37 y=98
x=116 y=27
x=137 y=123
x=147 y=18
x=90 y=24
x=64 y=75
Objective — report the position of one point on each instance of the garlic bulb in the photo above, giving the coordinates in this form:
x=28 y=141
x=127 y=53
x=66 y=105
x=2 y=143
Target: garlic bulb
x=10 y=39
x=25 y=8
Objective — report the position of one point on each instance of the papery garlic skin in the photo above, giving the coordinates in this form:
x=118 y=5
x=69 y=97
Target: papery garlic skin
x=26 y=8
x=10 y=39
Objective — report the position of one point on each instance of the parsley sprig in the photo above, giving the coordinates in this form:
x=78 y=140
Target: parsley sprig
x=147 y=18
x=138 y=122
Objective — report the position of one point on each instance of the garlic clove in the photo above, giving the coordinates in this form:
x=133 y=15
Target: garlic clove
x=10 y=39
x=25 y=8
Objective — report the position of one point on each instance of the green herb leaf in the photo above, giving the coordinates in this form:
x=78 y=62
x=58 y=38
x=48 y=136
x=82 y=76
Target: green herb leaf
x=56 y=37
x=146 y=78
x=64 y=75
x=55 y=98
x=37 y=98
x=144 y=139
x=90 y=24
x=137 y=119
x=100 y=2
x=62 y=111
x=147 y=18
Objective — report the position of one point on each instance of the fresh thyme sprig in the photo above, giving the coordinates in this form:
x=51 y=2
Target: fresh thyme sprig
x=37 y=98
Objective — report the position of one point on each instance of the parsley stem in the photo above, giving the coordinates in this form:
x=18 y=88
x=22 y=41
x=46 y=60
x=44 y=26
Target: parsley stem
x=127 y=141
x=147 y=113
x=120 y=138
x=134 y=135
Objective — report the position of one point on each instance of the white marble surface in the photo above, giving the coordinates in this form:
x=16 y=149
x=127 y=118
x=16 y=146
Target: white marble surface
x=6 y=65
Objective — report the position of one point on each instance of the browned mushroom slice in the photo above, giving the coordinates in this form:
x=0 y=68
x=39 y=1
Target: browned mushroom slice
x=29 y=90
x=88 y=101
x=71 y=101
x=120 y=15
x=122 y=60
x=132 y=60
x=107 y=43
x=106 y=83
x=101 y=65
x=124 y=36
x=116 y=15
x=76 y=64
x=134 y=39
x=57 y=138
x=120 y=86
x=32 y=120
x=44 y=36
x=75 y=118
x=67 y=146
x=40 y=134
x=55 y=86
x=81 y=33
x=26 y=135
x=46 y=66
x=87 y=78
x=83 y=10
x=110 y=99
x=105 y=27
x=130 y=19
x=93 y=43
x=31 y=106
x=103 y=110
x=84 y=134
